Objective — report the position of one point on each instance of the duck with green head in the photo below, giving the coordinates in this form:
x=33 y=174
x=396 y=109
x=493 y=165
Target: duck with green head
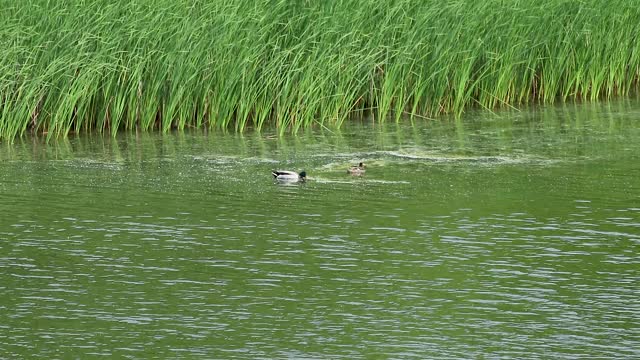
x=289 y=176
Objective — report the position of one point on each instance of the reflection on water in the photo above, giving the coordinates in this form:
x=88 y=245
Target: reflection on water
x=512 y=236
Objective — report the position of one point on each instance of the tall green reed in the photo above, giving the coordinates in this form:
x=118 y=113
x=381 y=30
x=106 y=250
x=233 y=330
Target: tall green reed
x=74 y=66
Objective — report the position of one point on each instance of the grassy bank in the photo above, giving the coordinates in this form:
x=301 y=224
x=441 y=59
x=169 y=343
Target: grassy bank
x=104 y=65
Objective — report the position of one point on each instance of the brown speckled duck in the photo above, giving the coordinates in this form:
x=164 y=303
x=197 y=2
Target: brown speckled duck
x=357 y=169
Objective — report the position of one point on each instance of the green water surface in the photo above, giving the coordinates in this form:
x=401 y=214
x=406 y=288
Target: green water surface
x=512 y=235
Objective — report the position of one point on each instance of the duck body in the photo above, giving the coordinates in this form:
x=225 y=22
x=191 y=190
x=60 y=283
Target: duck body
x=357 y=169
x=289 y=176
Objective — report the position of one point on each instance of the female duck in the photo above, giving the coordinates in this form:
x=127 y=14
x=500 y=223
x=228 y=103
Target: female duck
x=357 y=169
x=289 y=176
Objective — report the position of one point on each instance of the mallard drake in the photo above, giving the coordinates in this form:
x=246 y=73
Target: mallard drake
x=289 y=176
x=357 y=169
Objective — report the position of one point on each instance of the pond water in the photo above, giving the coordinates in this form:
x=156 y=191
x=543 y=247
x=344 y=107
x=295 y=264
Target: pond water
x=505 y=236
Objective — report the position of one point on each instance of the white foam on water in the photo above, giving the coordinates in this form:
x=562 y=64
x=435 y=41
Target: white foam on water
x=358 y=180
x=381 y=157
